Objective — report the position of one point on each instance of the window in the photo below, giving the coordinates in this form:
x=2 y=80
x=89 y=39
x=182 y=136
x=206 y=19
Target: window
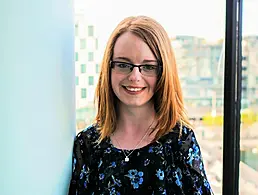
x=76 y=29
x=76 y=56
x=91 y=80
x=90 y=31
x=83 y=68
x=96 y=44
x=97 y=68
x=249 y=103
x=90 y=56
x=77 y=80
x=83 y=93
x=83 y=43
x=201 y=57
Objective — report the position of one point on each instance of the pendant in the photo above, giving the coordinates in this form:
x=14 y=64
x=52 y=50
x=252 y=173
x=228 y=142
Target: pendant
x=126 y=159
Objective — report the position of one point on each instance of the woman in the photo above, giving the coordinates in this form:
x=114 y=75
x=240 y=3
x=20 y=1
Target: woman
x=142 y=142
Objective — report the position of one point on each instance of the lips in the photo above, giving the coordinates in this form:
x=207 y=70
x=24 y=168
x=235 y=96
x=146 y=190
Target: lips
x=133 y=89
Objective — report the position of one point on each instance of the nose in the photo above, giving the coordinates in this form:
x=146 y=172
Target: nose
x=135 y=75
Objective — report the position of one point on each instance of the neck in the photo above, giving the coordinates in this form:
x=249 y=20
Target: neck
x=135 y=121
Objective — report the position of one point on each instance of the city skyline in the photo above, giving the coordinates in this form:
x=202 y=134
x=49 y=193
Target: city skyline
x=185 y=18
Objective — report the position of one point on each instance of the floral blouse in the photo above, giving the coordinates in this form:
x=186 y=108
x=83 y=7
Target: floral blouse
x=171 y=165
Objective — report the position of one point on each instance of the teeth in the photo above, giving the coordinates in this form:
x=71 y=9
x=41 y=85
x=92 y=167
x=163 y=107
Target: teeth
x=134 y=89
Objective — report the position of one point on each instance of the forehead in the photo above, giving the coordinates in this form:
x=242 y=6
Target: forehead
x=132 y=47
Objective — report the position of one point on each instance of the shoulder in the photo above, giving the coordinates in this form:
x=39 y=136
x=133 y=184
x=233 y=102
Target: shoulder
x=182 y=141
x=187 y=139
x=84 y=143
x=87 y=137
x=180 y=135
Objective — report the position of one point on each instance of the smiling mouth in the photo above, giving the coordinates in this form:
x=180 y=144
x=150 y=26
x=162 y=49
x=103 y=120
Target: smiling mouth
x=134 y=89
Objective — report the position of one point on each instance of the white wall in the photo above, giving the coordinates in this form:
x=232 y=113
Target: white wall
x=37 y=86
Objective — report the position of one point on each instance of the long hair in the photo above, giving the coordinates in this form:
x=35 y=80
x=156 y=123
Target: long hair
x=168 y=99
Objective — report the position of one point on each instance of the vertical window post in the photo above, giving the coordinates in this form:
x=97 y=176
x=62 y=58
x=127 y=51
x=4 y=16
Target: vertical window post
x=232 y=98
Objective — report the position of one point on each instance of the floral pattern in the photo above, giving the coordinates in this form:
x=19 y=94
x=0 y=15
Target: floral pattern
x=160 y=174
x=172 y=165
x=135 y=177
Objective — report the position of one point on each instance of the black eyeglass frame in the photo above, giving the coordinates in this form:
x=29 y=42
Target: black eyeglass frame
x=159 y=66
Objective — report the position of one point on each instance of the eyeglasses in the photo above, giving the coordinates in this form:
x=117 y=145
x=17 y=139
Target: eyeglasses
x=126 y=68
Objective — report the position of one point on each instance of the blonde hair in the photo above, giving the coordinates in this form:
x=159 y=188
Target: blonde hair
x=168 y=99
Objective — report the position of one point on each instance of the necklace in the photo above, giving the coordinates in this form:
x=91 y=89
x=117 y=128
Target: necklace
x=127 y=156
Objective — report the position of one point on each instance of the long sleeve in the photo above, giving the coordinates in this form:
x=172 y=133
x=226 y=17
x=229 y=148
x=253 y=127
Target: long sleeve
x=194 y=176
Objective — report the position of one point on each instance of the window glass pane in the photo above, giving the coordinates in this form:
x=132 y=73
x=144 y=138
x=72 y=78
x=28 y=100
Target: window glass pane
x=90 y=31
x=249 y=103
x=76 y=80
x=90 y=56
x=83 y=43
x=83 y=93
x=76 y=56
x=76 y=29
x=91 y=80
x=83 y=68
x=97 y=68
x=196 y=29
x=96 y=44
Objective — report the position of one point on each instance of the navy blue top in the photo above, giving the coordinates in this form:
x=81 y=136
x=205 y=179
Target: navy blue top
x=171 y=165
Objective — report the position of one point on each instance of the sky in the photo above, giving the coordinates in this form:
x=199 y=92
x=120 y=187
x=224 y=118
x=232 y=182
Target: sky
x=202 y=18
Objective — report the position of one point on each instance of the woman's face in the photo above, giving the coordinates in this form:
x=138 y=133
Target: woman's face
x=133 y=89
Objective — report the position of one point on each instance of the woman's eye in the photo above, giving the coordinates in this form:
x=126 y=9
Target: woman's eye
x=149 y=67
x=122 y=65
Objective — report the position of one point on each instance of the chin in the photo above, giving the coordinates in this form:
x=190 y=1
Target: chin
x=136 y=104
x=139 y=102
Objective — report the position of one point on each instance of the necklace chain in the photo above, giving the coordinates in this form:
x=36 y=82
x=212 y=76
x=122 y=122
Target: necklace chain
x=127 y=156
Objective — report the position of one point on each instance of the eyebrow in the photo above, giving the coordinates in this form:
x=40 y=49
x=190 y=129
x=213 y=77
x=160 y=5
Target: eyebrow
x=128 y=60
